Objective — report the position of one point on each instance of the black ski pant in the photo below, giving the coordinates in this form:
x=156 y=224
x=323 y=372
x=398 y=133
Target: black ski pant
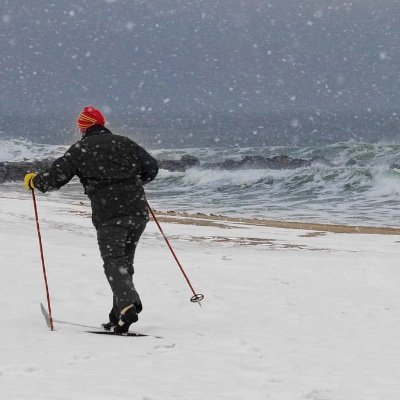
x=117 y=241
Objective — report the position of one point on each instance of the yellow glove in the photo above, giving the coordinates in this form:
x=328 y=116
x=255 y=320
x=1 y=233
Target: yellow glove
x=28 y=181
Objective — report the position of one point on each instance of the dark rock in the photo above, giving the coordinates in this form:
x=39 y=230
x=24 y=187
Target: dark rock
x=395 y=166
x=191 y=161
x=15 y=171
x=179 y=165
x=351 y=162
x=260 y=162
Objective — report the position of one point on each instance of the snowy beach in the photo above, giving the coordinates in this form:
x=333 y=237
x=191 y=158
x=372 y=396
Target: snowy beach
x=266 y=134
x=288 y=314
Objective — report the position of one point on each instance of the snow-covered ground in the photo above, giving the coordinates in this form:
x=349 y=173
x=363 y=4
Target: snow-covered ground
x=287 y=315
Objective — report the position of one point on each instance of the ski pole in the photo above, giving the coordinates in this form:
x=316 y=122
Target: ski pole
x=197 y=297
x=42 y=257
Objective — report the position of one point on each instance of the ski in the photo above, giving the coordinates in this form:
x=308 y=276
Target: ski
x=132 y=334
x=97 y=332
x=45 y=314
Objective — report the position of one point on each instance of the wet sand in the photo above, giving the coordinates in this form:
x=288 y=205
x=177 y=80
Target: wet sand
x=225 y=222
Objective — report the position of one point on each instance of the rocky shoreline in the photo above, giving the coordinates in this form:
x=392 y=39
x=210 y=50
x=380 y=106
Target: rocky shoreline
x=14 y=171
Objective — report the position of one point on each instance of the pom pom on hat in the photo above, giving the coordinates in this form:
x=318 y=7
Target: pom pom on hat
x=88 y=117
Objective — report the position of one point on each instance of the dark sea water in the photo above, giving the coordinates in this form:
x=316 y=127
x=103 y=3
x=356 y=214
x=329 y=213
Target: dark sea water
x=353 y=183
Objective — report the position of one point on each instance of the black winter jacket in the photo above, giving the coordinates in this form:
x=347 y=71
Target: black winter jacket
x=112 y=170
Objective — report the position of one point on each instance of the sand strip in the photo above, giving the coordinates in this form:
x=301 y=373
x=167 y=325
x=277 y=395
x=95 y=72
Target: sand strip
x=222 y=221
x=226 y=222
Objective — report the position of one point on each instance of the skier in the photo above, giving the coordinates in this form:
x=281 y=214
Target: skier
x=112 y=170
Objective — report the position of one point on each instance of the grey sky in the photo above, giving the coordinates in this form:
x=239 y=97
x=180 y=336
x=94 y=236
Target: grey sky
x=171 y=57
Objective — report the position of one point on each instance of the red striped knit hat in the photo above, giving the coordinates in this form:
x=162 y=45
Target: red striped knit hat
x=88 y=117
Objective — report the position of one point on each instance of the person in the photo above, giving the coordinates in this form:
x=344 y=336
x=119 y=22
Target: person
x=112 y=170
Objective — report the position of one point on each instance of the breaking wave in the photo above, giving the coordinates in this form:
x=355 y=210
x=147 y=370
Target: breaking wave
x=354 y=183
x=20 y=150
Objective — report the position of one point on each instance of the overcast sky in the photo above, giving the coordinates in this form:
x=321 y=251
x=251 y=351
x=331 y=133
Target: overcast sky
x=171 y=57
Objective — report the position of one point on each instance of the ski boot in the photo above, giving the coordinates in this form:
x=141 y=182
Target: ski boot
x=127 y=317
x=113 y=321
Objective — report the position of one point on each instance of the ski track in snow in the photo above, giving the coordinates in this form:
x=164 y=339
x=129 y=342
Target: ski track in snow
x=286 y=315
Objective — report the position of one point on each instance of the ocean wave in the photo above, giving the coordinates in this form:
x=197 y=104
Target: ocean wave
x=24 y=150
x=346 y=183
